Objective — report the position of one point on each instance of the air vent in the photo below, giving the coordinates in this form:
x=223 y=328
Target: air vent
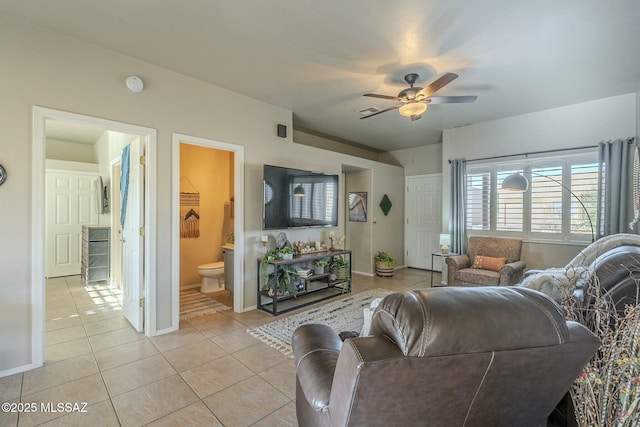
x=369 y=110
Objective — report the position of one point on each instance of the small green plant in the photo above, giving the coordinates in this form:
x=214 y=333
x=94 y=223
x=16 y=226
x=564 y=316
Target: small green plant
x=285 y=282
x=264 y=264
x=384 y=258
x=287 y=250
x=322 y=262
x=338 y=262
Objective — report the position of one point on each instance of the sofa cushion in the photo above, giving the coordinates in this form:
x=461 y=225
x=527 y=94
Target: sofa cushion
x=489 y=263
x=479 y=277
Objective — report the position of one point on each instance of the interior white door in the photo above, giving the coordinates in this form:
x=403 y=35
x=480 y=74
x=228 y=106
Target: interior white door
x=133 y=241
x=69 y=204
x=423 y=220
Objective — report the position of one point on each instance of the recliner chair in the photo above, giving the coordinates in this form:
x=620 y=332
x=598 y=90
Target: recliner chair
x=500 y=356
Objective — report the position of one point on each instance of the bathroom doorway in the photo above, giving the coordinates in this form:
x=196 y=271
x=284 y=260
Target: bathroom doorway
x=207 y=219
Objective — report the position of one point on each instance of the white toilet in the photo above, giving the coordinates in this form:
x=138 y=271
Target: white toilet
x=212 y=277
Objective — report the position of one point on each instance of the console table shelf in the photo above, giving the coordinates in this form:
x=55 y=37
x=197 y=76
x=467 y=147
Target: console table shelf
x=311 y=289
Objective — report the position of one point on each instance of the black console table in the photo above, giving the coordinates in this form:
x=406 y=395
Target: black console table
x=309 y=289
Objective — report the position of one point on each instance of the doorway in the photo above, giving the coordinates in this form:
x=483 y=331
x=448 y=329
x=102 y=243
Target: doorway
x=182 y=180
x=147 y=137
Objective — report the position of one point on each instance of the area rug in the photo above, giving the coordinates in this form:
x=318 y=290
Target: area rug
x=345 y=314
x=194 y=304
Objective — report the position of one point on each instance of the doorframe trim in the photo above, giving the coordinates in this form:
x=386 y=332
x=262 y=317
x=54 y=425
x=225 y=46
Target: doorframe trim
x=38 y=306
x=238 y=226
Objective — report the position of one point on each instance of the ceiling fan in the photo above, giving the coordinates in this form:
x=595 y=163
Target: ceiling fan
x=415 y=100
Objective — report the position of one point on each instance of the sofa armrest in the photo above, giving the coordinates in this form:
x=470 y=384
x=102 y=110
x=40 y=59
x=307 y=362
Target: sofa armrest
x=362 y=360
x=511 y=273
x=316 y=349
x=455 y=263
x=458 y=261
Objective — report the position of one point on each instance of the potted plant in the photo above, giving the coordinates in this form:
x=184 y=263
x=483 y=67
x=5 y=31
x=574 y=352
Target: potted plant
x=264 y=263
x=319 y=265
x=287 y=252
x=338 y=268
x=286 y=281
x=384 y=264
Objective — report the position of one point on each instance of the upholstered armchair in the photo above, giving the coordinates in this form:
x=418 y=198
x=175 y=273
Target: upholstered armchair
x=499 y=356
x=488 y=261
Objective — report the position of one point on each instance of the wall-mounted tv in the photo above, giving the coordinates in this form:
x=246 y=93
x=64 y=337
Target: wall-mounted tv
x=299 y=198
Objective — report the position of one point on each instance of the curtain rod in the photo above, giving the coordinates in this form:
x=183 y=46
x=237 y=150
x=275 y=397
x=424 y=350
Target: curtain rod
x=539 y=152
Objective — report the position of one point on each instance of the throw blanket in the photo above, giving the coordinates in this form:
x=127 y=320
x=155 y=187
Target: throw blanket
x=559 y=283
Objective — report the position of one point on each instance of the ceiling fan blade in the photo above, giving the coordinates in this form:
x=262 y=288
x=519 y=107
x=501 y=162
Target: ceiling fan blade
x=381 y=111
x=451 y=99
x=375 y=95
x=438 y=84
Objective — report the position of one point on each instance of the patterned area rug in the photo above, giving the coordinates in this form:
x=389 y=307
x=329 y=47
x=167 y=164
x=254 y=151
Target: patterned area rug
x=194 y=303
x=345 y=314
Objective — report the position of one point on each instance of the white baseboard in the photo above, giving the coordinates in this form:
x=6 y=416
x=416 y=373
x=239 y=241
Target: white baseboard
x=18 y=370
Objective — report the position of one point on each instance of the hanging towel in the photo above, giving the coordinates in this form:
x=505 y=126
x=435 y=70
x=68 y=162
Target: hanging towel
x=124 y=184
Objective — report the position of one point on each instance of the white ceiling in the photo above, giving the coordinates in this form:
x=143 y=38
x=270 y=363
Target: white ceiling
x=317 y=58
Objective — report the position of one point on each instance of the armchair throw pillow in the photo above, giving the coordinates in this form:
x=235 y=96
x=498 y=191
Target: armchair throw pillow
x=488 y=263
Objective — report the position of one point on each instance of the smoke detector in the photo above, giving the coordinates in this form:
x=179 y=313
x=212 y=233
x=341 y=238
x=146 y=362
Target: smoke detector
x=135 y=84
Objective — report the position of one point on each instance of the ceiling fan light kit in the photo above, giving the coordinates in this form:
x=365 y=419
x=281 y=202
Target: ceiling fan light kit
x=414 y=100
x=413 y=110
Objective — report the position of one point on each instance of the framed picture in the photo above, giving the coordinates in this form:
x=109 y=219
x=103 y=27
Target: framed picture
x=358 y=206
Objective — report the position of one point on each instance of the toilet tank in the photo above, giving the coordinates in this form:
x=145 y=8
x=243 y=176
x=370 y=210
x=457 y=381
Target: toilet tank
x=228 y=250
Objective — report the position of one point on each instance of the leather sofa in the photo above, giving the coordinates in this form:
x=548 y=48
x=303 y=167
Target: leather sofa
x=615 y=262
x=452 y=356
x=461 y=271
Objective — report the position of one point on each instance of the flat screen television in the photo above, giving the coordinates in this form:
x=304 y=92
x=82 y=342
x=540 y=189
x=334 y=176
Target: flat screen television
x=298 y=198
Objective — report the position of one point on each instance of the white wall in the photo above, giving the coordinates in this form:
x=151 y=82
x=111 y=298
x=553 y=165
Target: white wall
x=577 y=125
x=65 y=74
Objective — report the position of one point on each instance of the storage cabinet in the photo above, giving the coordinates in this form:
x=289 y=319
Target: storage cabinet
x=95 y=253
x=277 y=294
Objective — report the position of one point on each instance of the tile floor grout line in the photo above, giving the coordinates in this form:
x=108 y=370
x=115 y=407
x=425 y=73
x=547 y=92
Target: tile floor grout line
x=228 y=327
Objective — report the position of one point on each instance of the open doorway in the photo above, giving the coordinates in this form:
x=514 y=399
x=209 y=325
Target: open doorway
x=51 y=166
x=212 y=204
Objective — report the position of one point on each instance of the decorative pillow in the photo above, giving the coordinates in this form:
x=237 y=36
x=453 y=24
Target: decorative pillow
x=368 y=314
x=489 y=263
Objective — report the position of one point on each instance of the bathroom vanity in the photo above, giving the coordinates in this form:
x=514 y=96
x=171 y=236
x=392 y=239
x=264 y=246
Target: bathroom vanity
x=310 y=288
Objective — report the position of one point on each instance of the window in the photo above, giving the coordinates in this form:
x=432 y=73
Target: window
x=546 y=211
x=509 y=212
x=478 y=201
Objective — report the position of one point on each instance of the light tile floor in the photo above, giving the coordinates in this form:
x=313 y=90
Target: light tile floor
x=209 y=373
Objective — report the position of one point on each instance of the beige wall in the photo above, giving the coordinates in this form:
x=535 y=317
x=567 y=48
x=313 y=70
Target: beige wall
x=206 y=171
x=423 y=160
x=71 y=151
x=65 y=74
x=359 y=233
x=638 y=112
